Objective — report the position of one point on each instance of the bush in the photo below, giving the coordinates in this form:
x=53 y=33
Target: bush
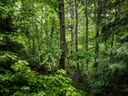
x=108 y=80
x=25 y=82
x=6 y=60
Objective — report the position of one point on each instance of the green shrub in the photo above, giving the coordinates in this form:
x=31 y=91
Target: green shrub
x=25 y=82
x=108 y=79
x=6 y=60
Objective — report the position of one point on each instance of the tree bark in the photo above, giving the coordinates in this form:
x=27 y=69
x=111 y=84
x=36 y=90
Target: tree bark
x=86 y=32
x=76 y=32
x=98 y=15
x=62 y=34
x=71 y=26
x=117 y=17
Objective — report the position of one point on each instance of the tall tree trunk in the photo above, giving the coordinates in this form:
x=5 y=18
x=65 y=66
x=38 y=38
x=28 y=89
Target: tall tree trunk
x=98 y=15
x=76 y=32
x=72 y=27
x=62 y=34
x=117 y=17
x=86 y=39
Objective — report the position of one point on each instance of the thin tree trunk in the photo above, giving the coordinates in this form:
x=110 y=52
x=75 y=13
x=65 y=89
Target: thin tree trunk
x=117 y=17
x=112 y=42
x=62 y=34
x=33 y=43
x=51 y=35
x=71 y=28
x=76 y=32
x=98 y=15
x=47 y=35
x=86 y=39
x=38 y=43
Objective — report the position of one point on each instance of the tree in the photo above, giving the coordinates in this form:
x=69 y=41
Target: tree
x=71 y=27
x=86 y=32
x=62 y=34
x=10 y=47
x=98 y=18
x=76 y=32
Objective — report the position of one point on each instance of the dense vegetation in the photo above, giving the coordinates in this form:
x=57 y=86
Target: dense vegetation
x=63 y=48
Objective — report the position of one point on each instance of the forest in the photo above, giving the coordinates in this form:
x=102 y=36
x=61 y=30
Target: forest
x=63 y=47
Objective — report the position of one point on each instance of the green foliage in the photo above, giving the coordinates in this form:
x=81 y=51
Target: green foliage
x=99 y=79
x=105 y=79
x=29 y=30
x=23 y=82
x=49 y=57
x=6 y=60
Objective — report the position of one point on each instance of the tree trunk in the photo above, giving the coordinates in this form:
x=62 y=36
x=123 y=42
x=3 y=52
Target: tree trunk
x=76 y=32
x=47 y=35
x=72 y=27
x=98 y=15
x=86 y=39
x=62 y=34
x=33 y=43
x=117 y=17
x=38 y=43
